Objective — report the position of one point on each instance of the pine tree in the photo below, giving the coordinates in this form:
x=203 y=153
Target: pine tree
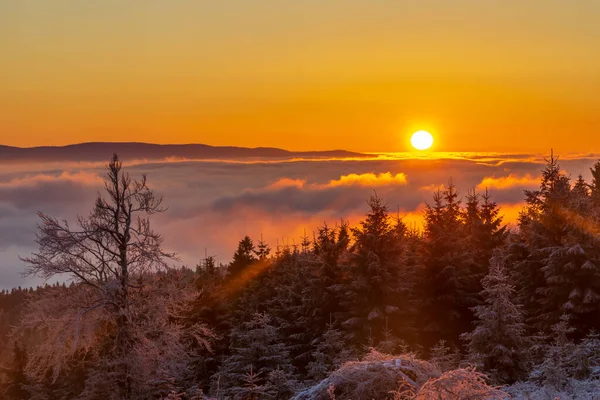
x=446 y=285
x=580 y=201
x=542 y=274
x=262 y=249
x=554 y=370
x=442 y=356
x=251 y=389
x=330 y=352
x=498 y=341
x=563 y=241
x=492 y=232
x=279 y=386
x=372 y=291
x=208 y=274
x=305 y=243
x=255 y=344
x=243 y=256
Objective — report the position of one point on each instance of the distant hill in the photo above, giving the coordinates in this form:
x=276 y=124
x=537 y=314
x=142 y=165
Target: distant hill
x=100 y=151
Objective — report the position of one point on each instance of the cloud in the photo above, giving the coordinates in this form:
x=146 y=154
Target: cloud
x=344 y=194
x=364 y=180
x=49 y=191
x=433 y=188
x=370 y=180
x=285 y=183
x=84 y=178
x=509 y=182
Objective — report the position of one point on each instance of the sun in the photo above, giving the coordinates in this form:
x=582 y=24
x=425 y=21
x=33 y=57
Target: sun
x=421 y=140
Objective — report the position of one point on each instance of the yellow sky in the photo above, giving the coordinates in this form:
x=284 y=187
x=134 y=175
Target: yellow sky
x=312 y=74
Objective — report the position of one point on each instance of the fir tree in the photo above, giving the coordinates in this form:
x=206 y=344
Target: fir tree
x=543 y=230
x=498 y=342
x=262 y=249
x=444 y=285
x=255 y=345
x=442 y=356
x=243 y=256
x=554 y=370
x=373 y=289
x=330 y=352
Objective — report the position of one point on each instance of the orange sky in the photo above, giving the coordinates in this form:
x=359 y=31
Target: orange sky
x=481 y=75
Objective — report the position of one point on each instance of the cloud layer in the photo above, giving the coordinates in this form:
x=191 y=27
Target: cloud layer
x=212 y=204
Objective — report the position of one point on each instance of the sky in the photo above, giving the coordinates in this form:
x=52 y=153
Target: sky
x=213 y=204
x=502 y=76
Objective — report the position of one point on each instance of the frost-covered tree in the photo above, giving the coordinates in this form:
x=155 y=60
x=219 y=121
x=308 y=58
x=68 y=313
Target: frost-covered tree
x=163 y=351
x=554 y=369
x=331 y=351
x=566 y=362
x=256 y=349
x=109 y=257
x=443 y=357
x=499 y=343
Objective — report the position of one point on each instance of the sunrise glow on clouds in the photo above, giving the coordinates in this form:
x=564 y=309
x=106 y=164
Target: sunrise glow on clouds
x=81 y=177
x=370 y=180
x=212 y=204
x=510 y=181
x=364 y=180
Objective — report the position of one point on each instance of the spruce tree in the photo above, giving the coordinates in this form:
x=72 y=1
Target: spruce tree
x=371 y=291
x=262 y=250
x=543 y=274
x=330 y=352
x=498 y=342
x=243 y=256
x=445 y=295
x=442 y=357
x=256 y=350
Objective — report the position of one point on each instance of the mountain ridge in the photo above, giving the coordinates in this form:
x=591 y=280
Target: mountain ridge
x=99 y=151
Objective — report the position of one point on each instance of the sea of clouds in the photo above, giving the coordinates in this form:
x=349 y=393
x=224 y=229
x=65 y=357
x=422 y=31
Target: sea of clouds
x=213 y=204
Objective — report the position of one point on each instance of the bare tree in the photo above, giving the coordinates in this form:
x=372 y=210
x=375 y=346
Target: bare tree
x=109 y=252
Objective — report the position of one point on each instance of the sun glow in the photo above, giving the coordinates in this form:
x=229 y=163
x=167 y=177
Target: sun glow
x=421 y=140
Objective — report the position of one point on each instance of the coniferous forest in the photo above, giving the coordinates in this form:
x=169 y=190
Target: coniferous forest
x=462 y=307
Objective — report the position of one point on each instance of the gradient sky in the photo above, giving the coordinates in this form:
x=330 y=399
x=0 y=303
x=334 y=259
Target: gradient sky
x=312 y=74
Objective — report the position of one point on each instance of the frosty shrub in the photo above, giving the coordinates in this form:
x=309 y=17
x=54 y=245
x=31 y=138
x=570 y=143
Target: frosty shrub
x=460 y=384
x=377 y=376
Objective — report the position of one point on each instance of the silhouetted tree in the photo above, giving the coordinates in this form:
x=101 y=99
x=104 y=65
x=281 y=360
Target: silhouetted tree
x=243 y=256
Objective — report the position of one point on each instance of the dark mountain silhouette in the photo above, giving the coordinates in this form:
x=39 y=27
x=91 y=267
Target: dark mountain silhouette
x=100 y=151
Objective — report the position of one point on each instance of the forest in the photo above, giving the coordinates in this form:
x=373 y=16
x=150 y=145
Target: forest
x=464 y=307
